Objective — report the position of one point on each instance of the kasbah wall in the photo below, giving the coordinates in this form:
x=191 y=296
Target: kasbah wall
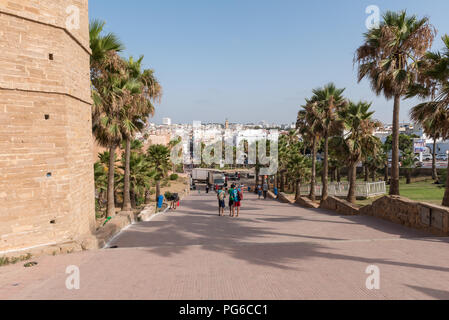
x=46 y=172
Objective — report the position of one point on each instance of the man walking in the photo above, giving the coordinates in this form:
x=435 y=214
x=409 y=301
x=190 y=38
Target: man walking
x=238 y=196
x=265 y=190
x=259 y=191
x=221 y=195
x=231 y=201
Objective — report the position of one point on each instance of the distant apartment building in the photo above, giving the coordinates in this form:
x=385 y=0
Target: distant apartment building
x=166 y=121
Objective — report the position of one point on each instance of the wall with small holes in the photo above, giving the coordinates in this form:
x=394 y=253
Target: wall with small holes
x=46 y=171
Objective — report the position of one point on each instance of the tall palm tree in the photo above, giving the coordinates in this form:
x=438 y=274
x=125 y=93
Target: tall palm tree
x=144 y=88
x=310 y=128
x=433 y=76
x=327 y=102
x=298 y=167
x=107 y=74
x=159 y=159
x=388 y=58
x=356 y=141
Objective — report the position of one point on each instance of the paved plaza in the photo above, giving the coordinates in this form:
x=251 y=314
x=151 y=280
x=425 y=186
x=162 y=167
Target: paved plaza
x=272 y=251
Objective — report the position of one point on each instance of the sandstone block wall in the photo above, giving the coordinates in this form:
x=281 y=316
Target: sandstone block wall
x=46 y=172
x=339 y=205
x=418 y=215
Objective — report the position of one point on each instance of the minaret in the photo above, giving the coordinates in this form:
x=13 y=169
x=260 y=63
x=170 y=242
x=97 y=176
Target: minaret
x=46 y=170
x=227 y=124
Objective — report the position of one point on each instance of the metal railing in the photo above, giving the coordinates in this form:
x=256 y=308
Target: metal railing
x=341 y=189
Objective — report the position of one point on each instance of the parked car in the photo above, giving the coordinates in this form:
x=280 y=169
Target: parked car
x=441 y=157
x=427 y=157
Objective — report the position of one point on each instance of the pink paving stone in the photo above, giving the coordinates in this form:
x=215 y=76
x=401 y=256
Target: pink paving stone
x=272 y=251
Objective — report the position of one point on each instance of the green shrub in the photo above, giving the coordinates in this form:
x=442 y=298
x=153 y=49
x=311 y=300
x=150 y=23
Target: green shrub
x=174 y=177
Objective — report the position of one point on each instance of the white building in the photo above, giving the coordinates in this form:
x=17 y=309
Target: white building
x=166 y=121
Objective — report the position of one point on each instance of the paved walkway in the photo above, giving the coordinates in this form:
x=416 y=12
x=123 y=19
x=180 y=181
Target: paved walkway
x=273 y=251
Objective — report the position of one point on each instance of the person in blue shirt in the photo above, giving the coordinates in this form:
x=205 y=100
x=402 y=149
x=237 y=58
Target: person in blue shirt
x=221 y=195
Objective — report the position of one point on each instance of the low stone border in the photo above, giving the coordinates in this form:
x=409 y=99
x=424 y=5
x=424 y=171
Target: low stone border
x=307 y=203
x=339 y=205
x=418 y=215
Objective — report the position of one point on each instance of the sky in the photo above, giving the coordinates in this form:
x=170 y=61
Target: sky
x=252 y=60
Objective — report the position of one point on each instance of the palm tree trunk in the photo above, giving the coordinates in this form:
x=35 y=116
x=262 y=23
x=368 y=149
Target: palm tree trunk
x=409 y=175
x=373 y=175
x=158 y=189
x=446 y=192
x=434 y=161
x=312 y=195
x=282 y=186
x=126 y=187
x=394 y=187
x=386 y=173
x=111 y=170
x=257 y=176
x=325 y=175
x=352 y=182
x=338 y=175
x=298 y=189
x=147 y=197
x=365 y=167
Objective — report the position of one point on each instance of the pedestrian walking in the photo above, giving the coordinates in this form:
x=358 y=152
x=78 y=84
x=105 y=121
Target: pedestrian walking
x=265 y=190
x=259 y=191
x=221 y=195
x=207 y=188
x=238 y=197
x=231 y=201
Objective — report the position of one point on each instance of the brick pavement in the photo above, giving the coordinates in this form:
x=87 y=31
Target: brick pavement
x=273 y=251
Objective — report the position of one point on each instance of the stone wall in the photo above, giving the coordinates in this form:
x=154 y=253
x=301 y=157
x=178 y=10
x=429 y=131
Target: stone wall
x=46 y=172
x=306 y=203
x=339 y=205
x=418 y=215
x=282 y=197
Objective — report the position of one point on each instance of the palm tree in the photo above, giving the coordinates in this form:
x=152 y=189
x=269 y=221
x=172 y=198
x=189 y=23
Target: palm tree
x=144 y=88
x=428 y=115
x=307 y=126
x=388 y=58
x=356 y=141
x=433 y=76
x=327 y=102
x=159 y=159
x=298 y=166
x=107 y=73
x=408 y=162
x=141 y=175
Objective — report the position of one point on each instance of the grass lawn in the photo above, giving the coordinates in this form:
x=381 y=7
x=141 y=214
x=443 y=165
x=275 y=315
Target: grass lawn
x=425 y=191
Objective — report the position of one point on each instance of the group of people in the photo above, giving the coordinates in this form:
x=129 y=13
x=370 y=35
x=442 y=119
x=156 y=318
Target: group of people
x=235 y=194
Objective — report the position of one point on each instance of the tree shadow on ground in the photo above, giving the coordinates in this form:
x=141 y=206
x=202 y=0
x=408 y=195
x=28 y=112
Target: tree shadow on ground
x=249 y=239
x=432 y=293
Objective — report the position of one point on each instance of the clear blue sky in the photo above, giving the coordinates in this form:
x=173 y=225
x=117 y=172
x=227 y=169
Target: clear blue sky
x=249 y=60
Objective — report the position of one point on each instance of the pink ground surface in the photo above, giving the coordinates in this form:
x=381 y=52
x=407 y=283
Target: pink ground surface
x=272 y=251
